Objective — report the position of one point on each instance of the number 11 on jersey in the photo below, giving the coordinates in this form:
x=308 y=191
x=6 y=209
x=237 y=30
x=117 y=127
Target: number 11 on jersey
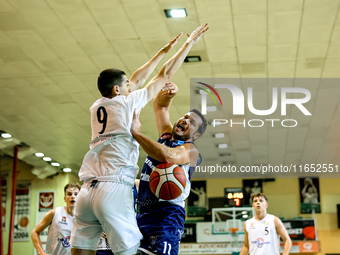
x=167 y=248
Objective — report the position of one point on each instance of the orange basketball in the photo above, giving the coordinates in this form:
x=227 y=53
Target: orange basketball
x=309 y=232
x=167 y=181
x=23 y=222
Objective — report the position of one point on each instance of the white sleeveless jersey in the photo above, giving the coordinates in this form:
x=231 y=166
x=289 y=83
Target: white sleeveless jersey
x=113 y=150
x=262 y=236
x=59 y=232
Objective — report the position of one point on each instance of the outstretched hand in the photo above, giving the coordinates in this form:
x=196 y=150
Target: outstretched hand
x=197 y=33
x=170 y=89
x=135 y=125
x=168 y=47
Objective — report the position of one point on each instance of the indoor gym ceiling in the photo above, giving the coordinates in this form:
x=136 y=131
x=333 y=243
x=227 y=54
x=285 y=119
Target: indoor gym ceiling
x=51 y=52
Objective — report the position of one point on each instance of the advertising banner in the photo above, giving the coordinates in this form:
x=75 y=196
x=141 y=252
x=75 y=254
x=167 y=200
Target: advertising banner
x=45 y=202
x=302 y=229
x=22 y=213
x=3 y=201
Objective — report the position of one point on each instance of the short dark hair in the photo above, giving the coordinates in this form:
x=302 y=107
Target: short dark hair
x=258 y=195
x=71 y=185
x=107 y=79
x=201 y=128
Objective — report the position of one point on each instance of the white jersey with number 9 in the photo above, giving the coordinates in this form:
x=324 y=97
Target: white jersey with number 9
x=113 y=150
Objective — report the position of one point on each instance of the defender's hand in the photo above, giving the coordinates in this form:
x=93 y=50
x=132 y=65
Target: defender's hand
x=170 y=89
x=197 y=33
x=135 y=126
x=168 y=47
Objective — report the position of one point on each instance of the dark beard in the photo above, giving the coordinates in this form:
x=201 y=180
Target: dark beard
x=184 y=137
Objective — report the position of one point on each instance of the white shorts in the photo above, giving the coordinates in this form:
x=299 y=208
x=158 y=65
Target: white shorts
x=109 y=208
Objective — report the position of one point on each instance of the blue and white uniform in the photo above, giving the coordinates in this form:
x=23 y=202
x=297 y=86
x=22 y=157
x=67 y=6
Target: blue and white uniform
x=263 y=238
x=161 y=222
x=59 y=232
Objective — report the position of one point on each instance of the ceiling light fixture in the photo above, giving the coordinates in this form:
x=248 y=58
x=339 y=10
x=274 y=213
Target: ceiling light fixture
x=175 y=13
x=47 y=159
x=225 y=155
x=219 y=135
x=192 y=59
x=211 y=108
x=216 y=122
x=39 y=154
x=222 y=146
x=67 y=170
x=6 y=135
x=26 y=153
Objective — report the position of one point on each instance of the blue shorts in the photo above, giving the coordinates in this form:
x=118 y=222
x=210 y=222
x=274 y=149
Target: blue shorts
x=104 y=252
x=162 y=226
x=161 y=242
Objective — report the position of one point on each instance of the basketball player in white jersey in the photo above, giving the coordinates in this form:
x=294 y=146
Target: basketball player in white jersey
x=105 y=202
x=262 y=233
x=59 y=221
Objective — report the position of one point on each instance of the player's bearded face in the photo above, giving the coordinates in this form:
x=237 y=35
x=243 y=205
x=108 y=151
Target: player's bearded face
x=186 y=127
x=181 y=129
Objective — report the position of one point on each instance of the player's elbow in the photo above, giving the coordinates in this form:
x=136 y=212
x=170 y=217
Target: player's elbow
x=165 y=157
x=166 y=73
x=287 y=239
x=169 y=156
x=34 y=234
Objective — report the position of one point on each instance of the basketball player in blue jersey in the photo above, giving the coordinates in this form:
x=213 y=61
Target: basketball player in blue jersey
x=162 y=222
x=109 y=168
x=262 y=232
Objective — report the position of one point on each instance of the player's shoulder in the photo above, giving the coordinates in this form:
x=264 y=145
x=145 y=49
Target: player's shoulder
x=54 y=210
x=277 y=221
x=137 y=93
x=165 y=136
x=100 y=101
x=271 y=216
x=58 y=210
x=275 y=218
x=50 y=215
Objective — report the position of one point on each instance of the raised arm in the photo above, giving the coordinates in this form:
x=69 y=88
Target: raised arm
x=245 y=247
x=161 y=105
x=194 y=191
x=35 y=235
x=139 y=77
x=281 y=230
x=303 y=191
x=183 y=154
x=172 y=65
x=315 y=191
